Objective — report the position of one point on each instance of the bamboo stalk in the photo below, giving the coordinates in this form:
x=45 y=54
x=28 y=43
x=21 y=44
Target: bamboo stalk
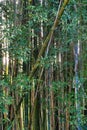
x=43 y=48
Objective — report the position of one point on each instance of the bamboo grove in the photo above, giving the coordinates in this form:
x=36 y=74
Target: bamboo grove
x=43 y=65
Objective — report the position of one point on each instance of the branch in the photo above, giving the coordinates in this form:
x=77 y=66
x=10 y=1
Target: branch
x=45 y=44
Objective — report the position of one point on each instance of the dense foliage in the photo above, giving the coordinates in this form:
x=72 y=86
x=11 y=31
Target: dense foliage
x=43 y=66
